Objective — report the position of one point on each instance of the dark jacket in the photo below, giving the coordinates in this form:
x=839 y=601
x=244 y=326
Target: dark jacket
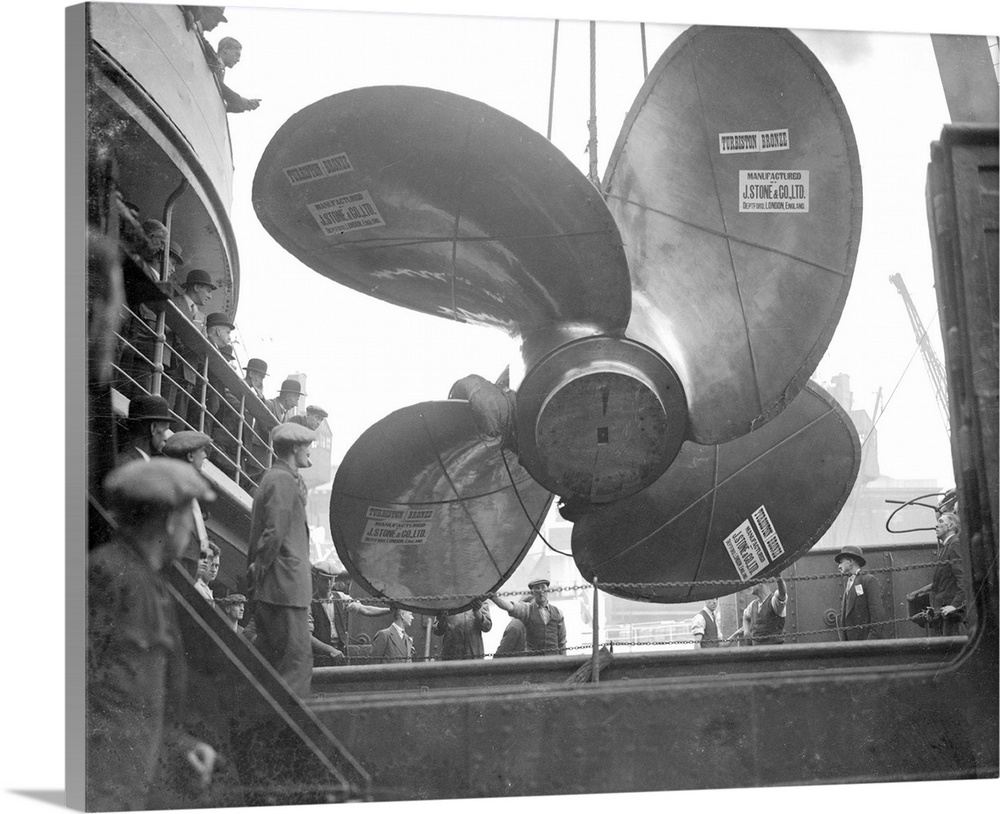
x=947 y=585
x=862 y=605
x=279 y=540
x=463 y=633
x=389 y=646
x=135 y=677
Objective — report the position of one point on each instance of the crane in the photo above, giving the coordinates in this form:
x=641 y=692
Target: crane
x=935 y=370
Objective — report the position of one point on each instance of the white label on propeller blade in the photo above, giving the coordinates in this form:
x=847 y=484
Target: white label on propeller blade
x=753 y=141
x=320 y=168
x=745 y=550
x=767 y=533
x=774 y=191
x=346 y=213
x=397 y=526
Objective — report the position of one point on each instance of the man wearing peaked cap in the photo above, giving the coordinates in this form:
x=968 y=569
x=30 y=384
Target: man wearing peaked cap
x=233 y=606
x=329 y=612
x=315 y=416
x=283 y=405
x=147 y=425
x=862 y=613
x=193 y=448
x=128 y=692
x=278 y=559
x=544 y=624
x=188 y=445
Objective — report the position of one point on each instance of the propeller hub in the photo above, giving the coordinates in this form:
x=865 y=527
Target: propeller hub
x=600 y=419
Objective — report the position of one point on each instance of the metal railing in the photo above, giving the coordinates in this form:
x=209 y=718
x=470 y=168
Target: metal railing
x=204 y=392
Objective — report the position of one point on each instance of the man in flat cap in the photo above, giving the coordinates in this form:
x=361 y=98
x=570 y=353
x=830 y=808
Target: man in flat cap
x=764 y=617
x=203 y=18
x=284 y=404
x=278 y=559
x=315 y=415
x=233 y=606
x=328 y=613
x=544 y=624
x=862 y=613
x=147 y=424
x=188 y=445
x=193 y=448
x=135 y=663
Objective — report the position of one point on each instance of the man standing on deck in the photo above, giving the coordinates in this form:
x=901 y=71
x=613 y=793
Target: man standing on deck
x=463 y=632
x=278 y=559
x=947 y=589
x=862 y=613
x=764 y=617
x=328 y=614
x=544 y=625
x=393 y=643
x=703 y=627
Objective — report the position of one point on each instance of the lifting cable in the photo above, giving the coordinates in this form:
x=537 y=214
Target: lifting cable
x=552 y=85
x=898 y=383
x=592 y=123
x=642 y=36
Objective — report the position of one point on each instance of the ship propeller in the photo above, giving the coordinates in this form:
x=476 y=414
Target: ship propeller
x=677 y=310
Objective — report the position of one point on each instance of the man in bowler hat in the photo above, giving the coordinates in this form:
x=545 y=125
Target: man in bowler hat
x=198 y=287
x=147 y=425
x=256 y=370
x=862 y=614
x=283 y=405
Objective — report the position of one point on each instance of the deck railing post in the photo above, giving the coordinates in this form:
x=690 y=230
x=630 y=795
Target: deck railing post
x=595 y=625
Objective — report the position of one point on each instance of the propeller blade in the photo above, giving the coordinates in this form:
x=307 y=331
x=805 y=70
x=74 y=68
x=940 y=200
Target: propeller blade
x=444 y=205
x=737 y=186
x=423 y=509
x=738 y=511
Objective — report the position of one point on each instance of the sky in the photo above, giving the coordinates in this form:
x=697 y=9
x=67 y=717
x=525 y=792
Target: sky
x=291 y=67
x=301 y=322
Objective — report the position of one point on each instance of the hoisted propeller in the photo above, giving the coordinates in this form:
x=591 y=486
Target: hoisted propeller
x=736 y=186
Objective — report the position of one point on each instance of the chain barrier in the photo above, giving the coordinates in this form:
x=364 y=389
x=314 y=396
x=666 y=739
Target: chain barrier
x=612 y=643
x=671 y=584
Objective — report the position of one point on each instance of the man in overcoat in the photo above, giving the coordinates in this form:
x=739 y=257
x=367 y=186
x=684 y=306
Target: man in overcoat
x=862 y=613
x=278 y=559
x=463 y=632
x=947 y=585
